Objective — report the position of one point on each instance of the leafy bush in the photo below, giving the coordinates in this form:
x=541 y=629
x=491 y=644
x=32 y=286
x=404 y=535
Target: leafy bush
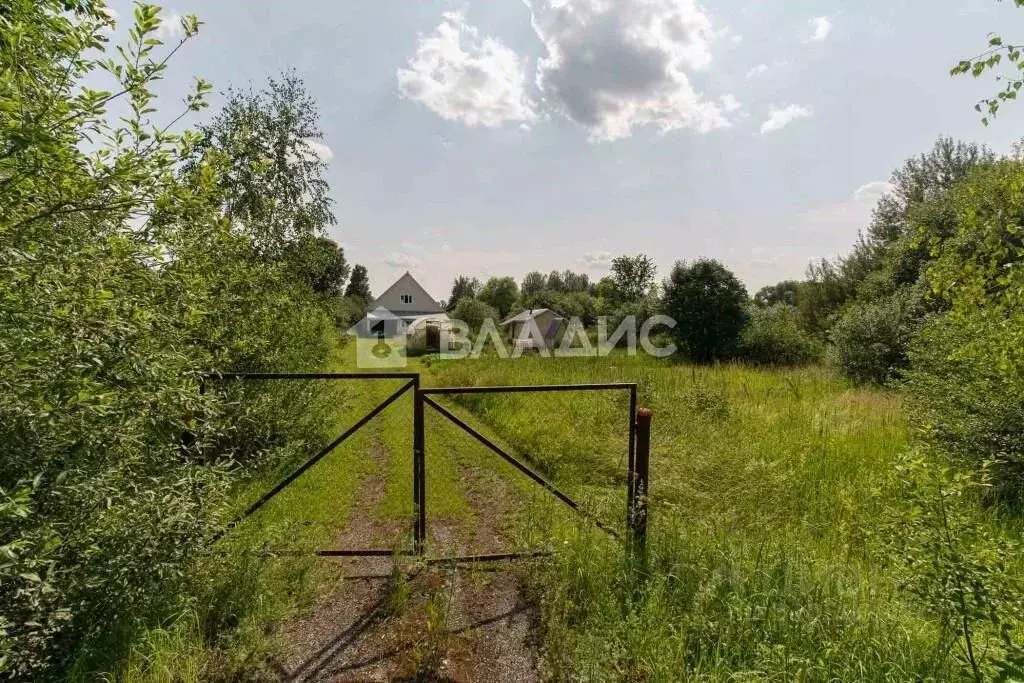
x=474 y=312
x=774 y=336
x=870 y=340
x=709 y=305
x=966 y=384
x=955 y=564
x=121 y=283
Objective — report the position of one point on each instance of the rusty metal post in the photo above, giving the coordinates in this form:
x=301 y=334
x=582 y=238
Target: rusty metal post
x=419 y=470
x=631 y=462
x=641 y=479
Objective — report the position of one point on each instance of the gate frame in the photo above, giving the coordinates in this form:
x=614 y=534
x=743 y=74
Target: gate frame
x=637 y=468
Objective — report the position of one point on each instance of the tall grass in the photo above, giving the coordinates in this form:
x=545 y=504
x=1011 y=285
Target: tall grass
x=765 y=496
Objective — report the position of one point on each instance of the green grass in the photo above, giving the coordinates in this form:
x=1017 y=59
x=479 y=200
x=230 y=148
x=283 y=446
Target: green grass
x=764 y=493
x=769 y=491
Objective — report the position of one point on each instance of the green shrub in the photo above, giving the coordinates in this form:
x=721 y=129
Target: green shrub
x=114 y=467
x=870 y=340
x=774 y=336
x=966 y=384
x=474 y=312
x=709 y=305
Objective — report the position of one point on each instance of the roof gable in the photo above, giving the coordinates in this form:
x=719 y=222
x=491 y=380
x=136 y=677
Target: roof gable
x=423 y=303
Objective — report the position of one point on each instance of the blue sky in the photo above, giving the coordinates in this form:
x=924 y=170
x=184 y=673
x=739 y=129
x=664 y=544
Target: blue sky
x=499 y=137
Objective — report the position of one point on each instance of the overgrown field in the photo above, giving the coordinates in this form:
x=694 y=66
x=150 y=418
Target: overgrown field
x=777 y=519
x=777 y=528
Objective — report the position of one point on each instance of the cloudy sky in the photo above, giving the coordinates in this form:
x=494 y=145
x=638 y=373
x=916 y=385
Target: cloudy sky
x=494 y=137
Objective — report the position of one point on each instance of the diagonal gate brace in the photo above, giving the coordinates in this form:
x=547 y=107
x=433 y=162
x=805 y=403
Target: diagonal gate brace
x=266 y=497
x=520 y=466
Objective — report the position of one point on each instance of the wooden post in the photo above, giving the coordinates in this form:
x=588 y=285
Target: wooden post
x=639 y=488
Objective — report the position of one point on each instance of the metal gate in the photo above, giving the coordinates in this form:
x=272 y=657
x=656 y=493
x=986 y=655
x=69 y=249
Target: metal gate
x=637 y=478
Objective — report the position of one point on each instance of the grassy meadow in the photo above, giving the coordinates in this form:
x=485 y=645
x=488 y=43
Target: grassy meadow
x=766 y=486
x=772 y=506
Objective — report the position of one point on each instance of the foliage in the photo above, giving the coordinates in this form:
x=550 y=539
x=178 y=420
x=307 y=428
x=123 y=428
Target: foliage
x=463 y=288
x=565 y=282
x=500 y=293
x=274 y=186
x=774 y=336
x=784 y=292
x=893 y=254
x=320 y=263
x=633 y=277
x=957 y=565
x=121 y=282
x=359 y=284
x=533 y=283
x=990 y=60
x=965 y=382
x=870 y=340
x=579 y=305
x=474 y=312
x=708 y=304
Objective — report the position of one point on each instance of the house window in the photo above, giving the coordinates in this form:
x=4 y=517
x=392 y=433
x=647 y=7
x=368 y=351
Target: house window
x=407 y=298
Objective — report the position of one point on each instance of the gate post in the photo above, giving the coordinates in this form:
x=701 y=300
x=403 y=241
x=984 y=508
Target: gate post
x=419 y=470
x=638 y=490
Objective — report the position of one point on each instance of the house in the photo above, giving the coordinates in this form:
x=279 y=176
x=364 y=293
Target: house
x=405 y=308
x=533 y=326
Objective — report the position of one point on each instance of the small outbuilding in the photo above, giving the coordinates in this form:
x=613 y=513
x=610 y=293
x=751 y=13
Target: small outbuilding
x=535 y=327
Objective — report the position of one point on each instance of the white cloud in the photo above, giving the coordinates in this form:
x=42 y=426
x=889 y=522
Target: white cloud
x=757 y=70
x=779 y=118
x=598 y=259
x=820 y=28
x=729 y=102
x=464 y=77
x=873 y=191
x=612 y=66
x=317 y=150
x=400 y=260
x=170 y=26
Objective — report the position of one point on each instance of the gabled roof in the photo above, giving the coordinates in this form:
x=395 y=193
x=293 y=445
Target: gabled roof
x=528 y=314
x=408 y=282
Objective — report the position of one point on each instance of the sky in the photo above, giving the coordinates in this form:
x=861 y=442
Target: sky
x=496 y=137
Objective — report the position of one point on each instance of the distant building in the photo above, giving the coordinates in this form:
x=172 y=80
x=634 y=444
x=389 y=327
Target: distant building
x=534 y=326
x=405 y=308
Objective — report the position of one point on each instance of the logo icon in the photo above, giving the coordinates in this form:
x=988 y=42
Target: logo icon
x=381 y=340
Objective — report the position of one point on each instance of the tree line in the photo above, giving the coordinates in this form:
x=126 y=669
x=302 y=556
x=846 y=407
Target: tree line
x=715 y=319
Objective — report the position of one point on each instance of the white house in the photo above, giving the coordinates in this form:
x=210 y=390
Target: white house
x=405 y=308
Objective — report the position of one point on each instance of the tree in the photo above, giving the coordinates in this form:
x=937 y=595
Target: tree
x=320 y=263
x=575 y=282
x=464 y=287
x=990 y=60
x=708 y=304
x=500 y=293
x=784 y=292
x=579 y=305
x=359 y=284
x=555 y=282
x=533 y=283
x=633 y=276
x=474 y=312
x=274 y=186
